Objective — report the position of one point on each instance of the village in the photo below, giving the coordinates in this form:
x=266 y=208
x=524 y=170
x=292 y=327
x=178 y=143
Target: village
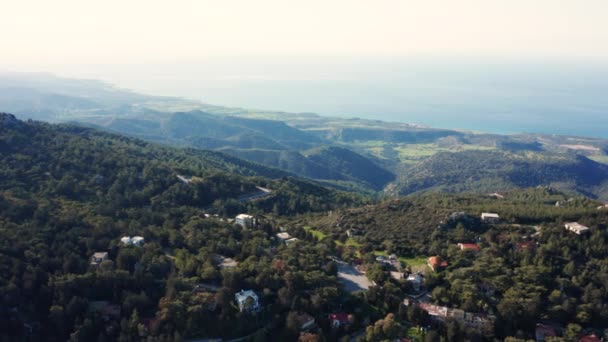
x=354 y=276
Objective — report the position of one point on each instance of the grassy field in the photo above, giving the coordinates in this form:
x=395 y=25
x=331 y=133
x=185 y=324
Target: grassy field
x=319 y=235
x=411 y=153
x=415 y=335
x=349 y=242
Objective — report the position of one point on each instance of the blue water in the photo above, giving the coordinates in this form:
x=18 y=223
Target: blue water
x=496 y=96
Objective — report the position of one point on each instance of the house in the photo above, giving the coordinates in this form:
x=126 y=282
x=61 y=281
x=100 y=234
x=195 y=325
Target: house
x=490 y=217
x=132 y=241
x=98 y=258
x=496 y=195
x=576 y=227
x=244 y=220
x=396 y=275
x=352 y=232
x=466 y=319
x=284 y=236
x=544 y=330
x=290 y=241
x=590 y=338
x=526 y=246
x=305 y=321
x=469 y=247
x=137 y=240
x=247 y=301
x=416 y=280
x=224 y=262
x=436 y=263
x=339 y=319
x=605 y=206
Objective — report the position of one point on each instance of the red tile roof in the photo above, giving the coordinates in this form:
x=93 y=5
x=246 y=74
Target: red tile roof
x=590 y=338
x=472 y=246
x=340 y=317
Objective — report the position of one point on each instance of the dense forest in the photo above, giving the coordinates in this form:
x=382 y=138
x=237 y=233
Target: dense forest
x=71 y=198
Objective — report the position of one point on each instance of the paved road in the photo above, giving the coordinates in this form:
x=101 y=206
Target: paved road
x=352 y=279
x=258 y=194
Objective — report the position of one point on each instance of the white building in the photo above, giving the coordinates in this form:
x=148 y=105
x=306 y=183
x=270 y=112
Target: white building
x=416 y=281
x=576 y=227
x=290 y=241
x=284 y=236
x=98 y=258
x=247 y=300
x=132 y=241
x=490 y=217
x=244 y=220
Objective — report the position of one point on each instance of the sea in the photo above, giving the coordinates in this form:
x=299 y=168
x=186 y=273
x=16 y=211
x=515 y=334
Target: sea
x=499 y=95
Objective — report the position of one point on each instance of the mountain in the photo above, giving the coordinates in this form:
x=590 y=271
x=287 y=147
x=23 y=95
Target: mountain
x=491 y=171
x=347 y=153
x=83 y=164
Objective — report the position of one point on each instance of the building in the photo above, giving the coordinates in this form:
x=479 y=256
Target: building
x=526 y=246
x=576 y=227
x=416 y=280
x=339 y=319
x=436 y=263
x=290 y=241
x=244 y=220
x=469 y=247
x=352 y=232
x=284 y=236
x=544 y=330
x=247 y=301
x=490 y=217
x=98 y=258
x=305 y=321
x=132 y=241
x=468 y=320
x=590 y=338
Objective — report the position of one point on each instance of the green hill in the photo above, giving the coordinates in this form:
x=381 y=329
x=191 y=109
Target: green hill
x=490 y=171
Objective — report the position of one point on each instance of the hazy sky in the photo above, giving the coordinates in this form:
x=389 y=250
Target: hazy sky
x=44 y=34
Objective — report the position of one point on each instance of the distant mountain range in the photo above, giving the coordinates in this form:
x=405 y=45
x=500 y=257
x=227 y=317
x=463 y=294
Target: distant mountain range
x=354 y=154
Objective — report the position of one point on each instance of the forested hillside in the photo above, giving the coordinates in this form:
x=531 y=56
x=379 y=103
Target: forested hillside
x=491 y=171
x=69 y=195
x=68 y=192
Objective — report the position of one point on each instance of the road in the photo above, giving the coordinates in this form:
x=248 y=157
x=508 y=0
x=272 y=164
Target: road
x=352 y=279
x=263 y=192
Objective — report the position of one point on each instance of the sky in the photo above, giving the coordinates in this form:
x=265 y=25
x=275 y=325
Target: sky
x=54 y=35
x=496 y=65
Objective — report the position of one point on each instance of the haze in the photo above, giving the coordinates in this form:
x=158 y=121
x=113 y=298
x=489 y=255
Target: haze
x=469 y=61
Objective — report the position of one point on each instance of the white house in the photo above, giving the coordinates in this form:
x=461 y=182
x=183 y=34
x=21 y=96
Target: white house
x=135 y=241
x=244 y=220
x=284 y=236
x=576 y=227
x=247 y=301
x=98 y=258
x=490 y=217
x=290 y=241
x=416 y=280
